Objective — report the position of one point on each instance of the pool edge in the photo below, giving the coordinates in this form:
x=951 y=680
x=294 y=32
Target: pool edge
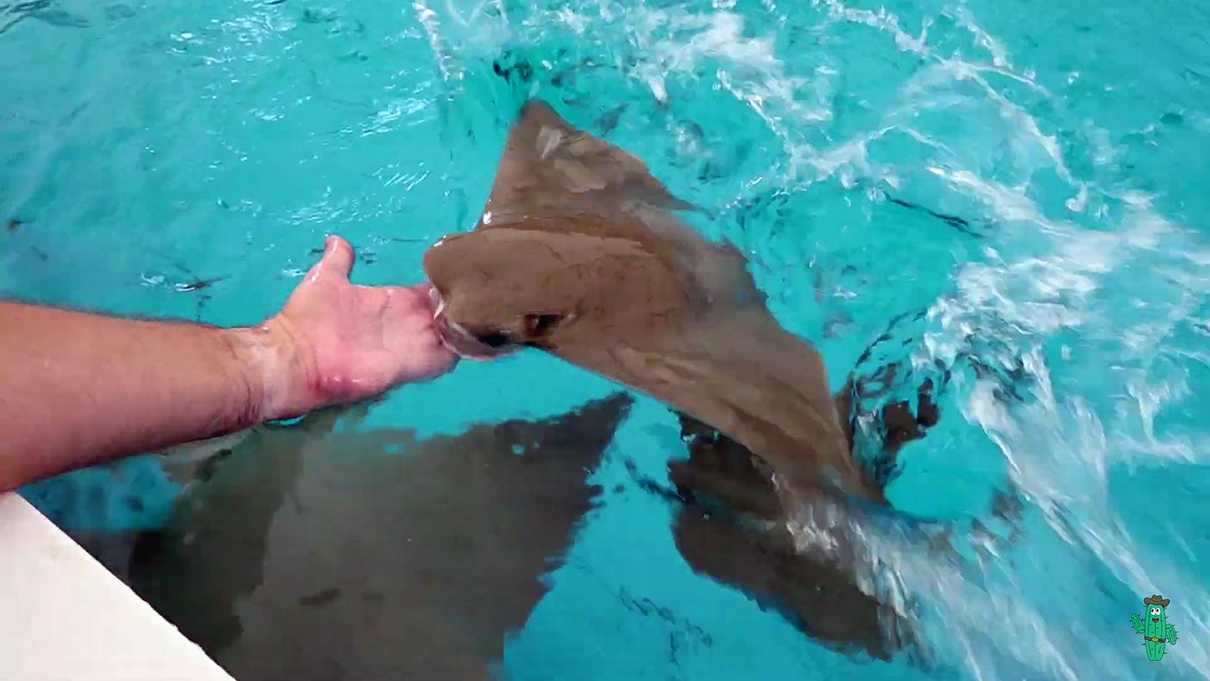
x=63 y=615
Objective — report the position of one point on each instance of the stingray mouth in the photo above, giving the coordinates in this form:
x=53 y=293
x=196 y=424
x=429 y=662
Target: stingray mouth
x=458 y=340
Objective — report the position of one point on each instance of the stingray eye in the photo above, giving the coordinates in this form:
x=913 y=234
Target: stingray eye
x=537 y=325
x=495 y=339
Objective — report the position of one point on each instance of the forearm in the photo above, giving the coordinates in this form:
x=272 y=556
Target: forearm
x=77 y=388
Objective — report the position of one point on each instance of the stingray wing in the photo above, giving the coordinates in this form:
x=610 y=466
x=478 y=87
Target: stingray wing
x=551 y=168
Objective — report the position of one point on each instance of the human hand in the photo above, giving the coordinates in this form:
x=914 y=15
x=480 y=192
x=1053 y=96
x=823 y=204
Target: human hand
x=336 y=342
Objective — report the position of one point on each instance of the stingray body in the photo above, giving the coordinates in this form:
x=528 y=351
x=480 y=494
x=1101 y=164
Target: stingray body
x=579 y=253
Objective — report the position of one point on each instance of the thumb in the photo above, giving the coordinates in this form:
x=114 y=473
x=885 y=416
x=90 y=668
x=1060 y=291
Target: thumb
x=337 y=259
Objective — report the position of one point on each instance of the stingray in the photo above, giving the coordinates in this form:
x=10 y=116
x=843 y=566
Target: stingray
x=579 y=252
x=308 y=553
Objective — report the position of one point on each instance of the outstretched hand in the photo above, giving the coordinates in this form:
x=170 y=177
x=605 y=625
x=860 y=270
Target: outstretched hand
x=347 y=342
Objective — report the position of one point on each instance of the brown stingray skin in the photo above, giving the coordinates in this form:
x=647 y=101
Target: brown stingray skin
x=577 y=253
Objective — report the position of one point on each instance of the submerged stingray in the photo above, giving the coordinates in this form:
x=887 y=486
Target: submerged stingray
x=579 y=254
x=312 y=554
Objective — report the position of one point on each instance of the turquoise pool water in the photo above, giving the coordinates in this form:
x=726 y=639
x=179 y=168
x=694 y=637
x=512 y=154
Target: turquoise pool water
x=1013 y=192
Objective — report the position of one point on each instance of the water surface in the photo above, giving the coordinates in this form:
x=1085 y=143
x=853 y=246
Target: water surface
x=1011 y=193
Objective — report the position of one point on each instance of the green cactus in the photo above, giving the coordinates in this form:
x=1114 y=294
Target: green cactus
x=1153 y=625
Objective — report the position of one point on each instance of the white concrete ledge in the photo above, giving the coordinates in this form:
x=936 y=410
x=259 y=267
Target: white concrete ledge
x=63 y=617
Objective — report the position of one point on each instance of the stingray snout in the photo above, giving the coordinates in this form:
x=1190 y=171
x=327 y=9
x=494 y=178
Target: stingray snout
x=463 y=342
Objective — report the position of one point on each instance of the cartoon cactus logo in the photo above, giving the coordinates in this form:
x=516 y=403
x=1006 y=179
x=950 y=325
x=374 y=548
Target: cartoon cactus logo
x=1153 y=625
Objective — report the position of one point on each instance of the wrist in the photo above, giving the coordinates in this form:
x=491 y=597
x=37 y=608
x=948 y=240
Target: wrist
x=274 y=369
